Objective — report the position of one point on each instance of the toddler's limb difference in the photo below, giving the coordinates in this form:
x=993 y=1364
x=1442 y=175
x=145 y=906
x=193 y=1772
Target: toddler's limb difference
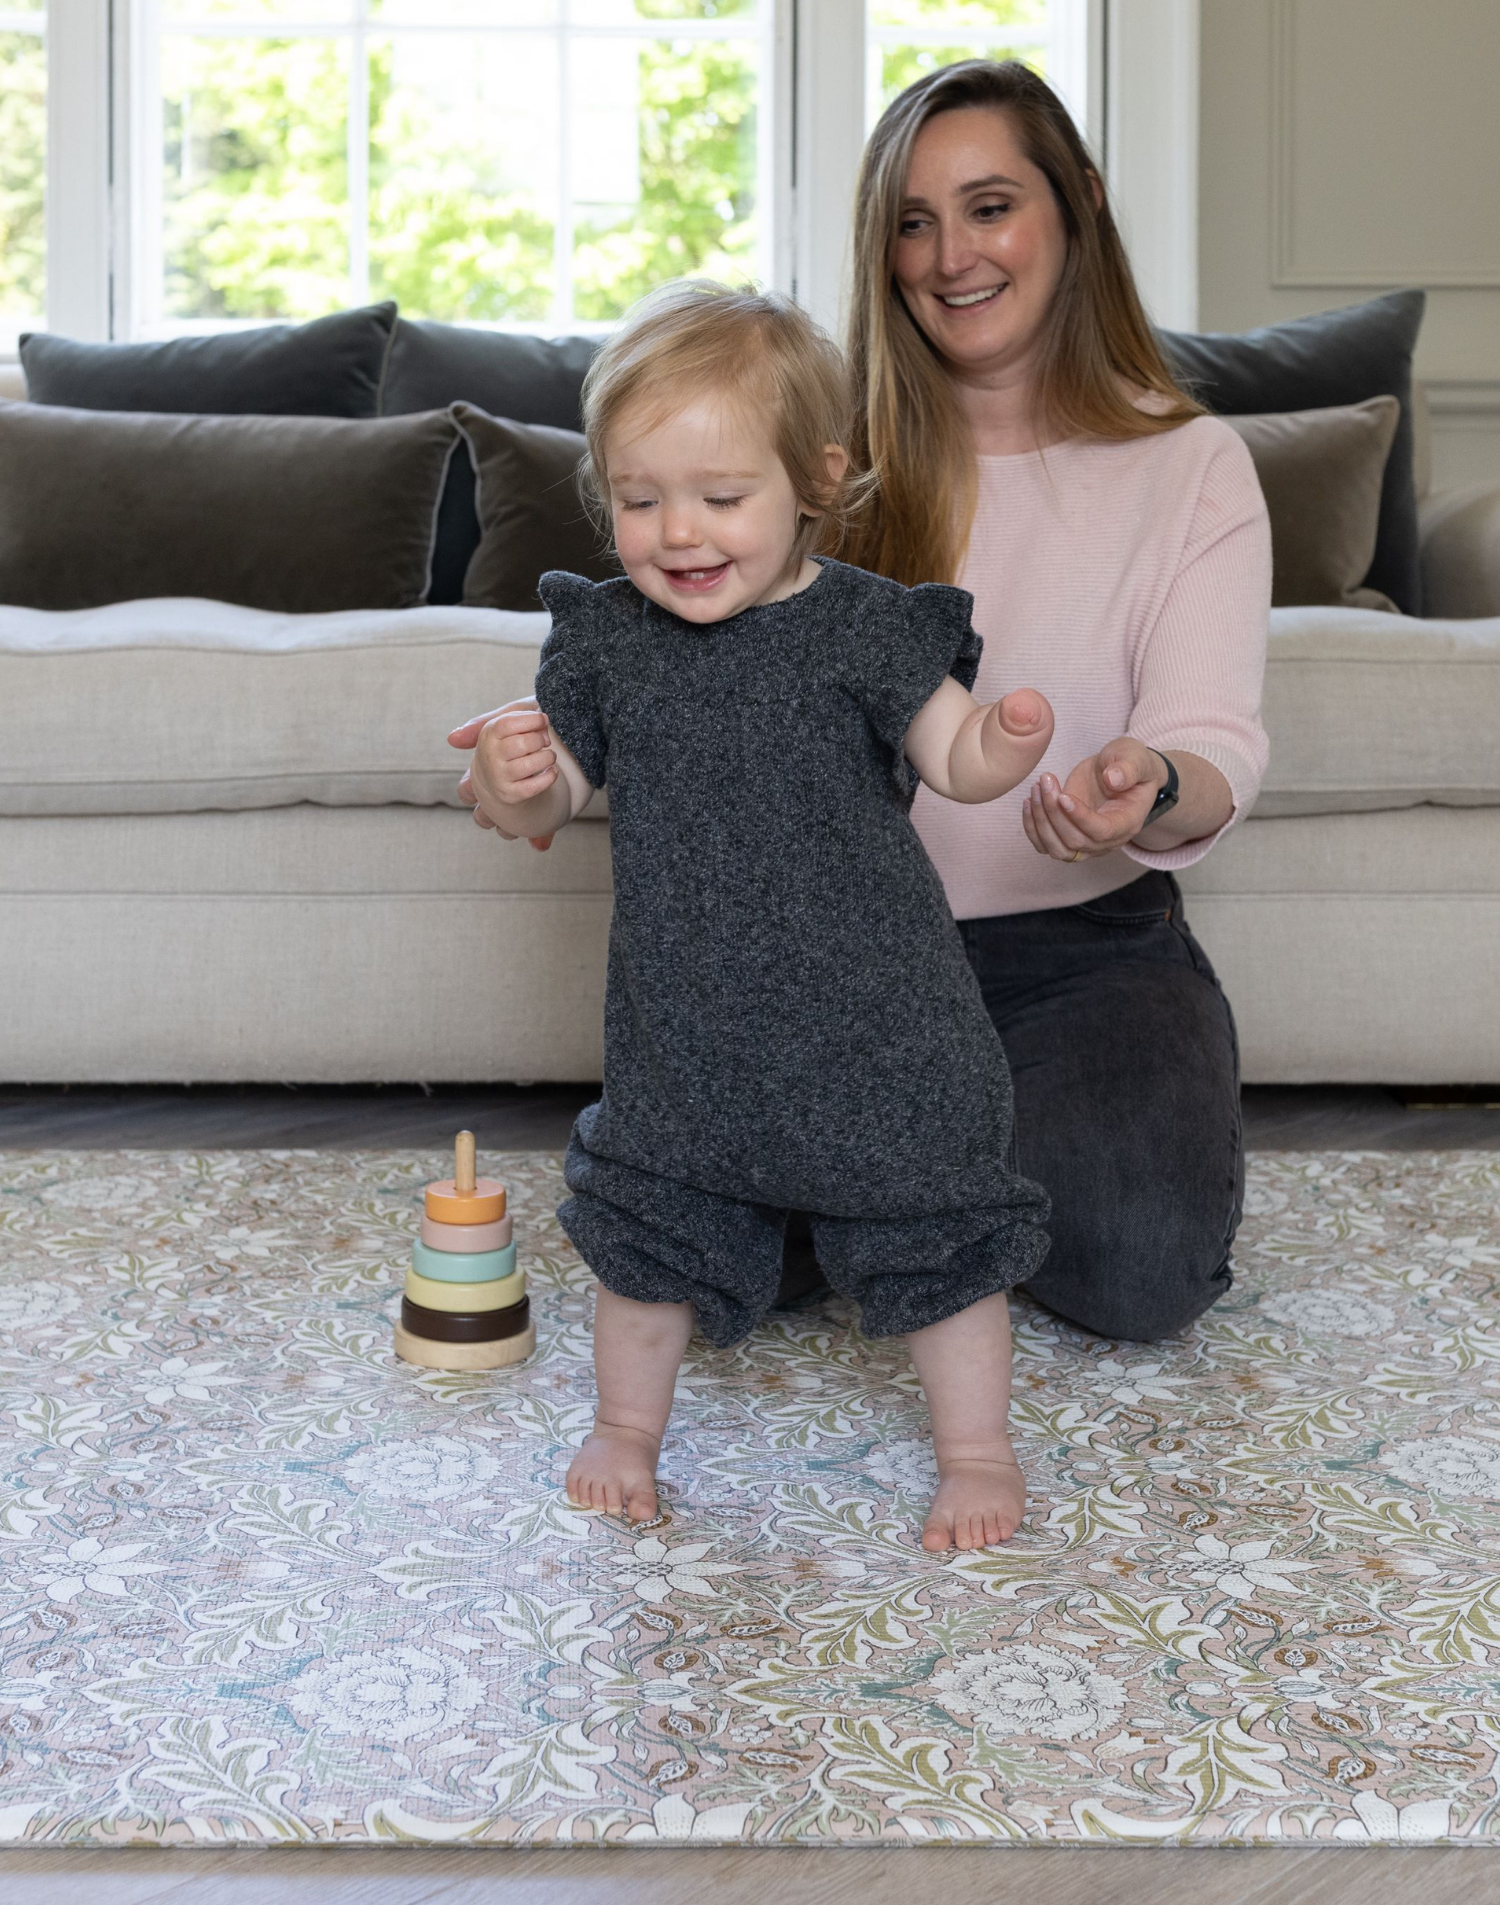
x=638 y=1349
x=964 y=1365
x=972 y=751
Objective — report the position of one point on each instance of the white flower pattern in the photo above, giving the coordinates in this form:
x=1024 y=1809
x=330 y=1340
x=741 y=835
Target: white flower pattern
x=1330 y=1312
x=35 y=1305
x=434 y=1468
x=261 y=1582
x=1448 y=1466
x=397 y=1693
x=1031 y=1693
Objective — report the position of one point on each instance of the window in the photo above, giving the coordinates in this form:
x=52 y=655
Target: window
x=522 y=163
x=538 y=163
x=906 y=38
x=23 y=169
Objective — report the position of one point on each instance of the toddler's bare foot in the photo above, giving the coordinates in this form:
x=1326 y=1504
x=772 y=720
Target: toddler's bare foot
x=615 y=1472
x=978 y=1504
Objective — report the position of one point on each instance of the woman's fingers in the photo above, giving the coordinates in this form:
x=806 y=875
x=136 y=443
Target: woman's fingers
x=1045 y=825
x=1069 y=834
x=468 y=732
x=1078 y=815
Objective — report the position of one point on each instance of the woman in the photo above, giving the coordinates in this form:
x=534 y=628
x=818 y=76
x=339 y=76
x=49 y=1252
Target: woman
x=1031 y=446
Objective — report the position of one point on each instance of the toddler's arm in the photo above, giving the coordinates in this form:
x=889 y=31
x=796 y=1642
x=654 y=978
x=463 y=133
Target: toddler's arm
x=522 y=781
x=969 y=751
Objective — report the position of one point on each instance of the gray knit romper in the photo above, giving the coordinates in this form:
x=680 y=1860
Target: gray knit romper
x=790 y=1021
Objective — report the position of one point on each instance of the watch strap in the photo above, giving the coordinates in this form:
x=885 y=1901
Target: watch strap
x=1166 y=795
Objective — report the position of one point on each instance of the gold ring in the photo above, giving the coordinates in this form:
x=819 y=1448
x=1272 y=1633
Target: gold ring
x=1077 y=854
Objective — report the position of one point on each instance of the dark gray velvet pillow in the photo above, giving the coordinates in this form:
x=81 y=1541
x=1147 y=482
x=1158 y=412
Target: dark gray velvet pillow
x=297 y=514
x=529 y=379
x=1312 y=363
x=531 y=518
x=329 y=368
x=1320 y=472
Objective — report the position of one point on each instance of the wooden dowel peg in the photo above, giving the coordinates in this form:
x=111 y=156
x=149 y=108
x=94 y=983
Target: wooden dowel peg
x=463 y=1164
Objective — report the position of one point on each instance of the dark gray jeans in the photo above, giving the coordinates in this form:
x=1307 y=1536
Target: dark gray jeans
x=1126 y=1069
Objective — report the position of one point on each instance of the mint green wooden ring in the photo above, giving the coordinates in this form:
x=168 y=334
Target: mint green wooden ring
x=463 y=1266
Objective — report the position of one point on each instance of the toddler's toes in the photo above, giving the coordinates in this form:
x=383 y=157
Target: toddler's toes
x=937 y=1533
x=641 y=1503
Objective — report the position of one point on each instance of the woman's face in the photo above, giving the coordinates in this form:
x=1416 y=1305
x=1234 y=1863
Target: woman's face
x=981 y=242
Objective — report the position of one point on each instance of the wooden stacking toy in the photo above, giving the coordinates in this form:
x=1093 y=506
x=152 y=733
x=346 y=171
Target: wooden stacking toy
x=465 y=1304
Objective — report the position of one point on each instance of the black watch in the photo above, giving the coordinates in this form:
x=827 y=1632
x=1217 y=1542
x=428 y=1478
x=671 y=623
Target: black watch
x=1166 y=797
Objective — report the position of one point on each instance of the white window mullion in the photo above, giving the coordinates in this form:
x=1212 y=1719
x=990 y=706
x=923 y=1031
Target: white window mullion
x=830 y=135
x=774 y=152
x=357 y=135
x=562 y=230
x=1151 y=146
x=78 y=168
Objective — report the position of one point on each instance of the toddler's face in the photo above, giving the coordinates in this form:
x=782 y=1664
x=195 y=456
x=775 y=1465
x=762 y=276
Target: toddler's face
x=704 y=512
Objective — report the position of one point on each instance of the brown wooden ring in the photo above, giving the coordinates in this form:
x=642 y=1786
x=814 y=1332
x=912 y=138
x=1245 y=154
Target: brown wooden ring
x=457 y=1326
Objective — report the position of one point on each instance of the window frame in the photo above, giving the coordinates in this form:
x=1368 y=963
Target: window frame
x=1115 y=61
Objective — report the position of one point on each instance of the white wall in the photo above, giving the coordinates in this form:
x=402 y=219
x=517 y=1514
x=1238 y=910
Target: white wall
x=1349 y=147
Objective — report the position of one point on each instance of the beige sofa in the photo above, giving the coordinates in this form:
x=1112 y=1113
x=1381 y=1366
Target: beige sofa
x=229 y=848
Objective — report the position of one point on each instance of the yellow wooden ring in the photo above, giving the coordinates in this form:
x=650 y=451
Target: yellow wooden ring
x=485 y=1204
x=430 y=1355
x=498 y=1294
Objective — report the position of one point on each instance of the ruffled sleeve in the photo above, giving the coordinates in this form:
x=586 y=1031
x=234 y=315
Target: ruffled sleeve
x=924 y=635
x=567 y=682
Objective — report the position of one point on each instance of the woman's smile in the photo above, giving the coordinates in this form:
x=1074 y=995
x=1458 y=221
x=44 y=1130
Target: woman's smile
x=967 y=300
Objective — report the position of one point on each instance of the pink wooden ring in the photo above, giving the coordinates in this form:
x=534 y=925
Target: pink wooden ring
x=466 y=1238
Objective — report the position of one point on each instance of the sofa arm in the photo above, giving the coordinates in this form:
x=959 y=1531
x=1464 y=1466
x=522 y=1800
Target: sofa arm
x=1460 y=532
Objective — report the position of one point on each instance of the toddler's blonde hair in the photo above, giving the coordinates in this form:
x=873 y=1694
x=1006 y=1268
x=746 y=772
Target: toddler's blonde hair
x=757 y=351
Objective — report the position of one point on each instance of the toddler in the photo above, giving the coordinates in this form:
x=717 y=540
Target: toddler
x=790 y=1021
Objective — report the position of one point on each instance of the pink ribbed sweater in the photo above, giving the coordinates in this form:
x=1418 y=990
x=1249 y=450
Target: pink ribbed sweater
x=1130 y=583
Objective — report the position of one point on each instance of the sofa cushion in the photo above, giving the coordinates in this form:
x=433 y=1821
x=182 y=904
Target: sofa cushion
x=531 y=517
x=529 y=379
x=331 y=367
x=304 y=514
x=179 y=706
x=1335 y=357
x=1368 y=711
x=1320 y=472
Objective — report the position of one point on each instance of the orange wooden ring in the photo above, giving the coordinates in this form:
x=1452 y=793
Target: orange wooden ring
x=484 y=1205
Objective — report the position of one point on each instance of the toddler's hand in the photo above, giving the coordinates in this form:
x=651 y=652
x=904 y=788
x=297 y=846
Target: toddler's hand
x=513 y=760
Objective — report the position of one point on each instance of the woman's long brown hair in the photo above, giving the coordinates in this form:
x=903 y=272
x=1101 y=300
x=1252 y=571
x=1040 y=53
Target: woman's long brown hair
x=1098 y=354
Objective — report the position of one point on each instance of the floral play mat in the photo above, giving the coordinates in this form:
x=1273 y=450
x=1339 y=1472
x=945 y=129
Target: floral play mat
x=259 y=1581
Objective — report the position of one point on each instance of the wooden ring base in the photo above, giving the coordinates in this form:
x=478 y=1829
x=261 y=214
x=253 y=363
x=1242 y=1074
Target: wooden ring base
x=458 y=1356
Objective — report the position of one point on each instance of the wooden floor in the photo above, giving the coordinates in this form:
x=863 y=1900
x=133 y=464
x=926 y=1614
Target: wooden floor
x=511 y=1118
x=538 y=1117
x=969 y=1875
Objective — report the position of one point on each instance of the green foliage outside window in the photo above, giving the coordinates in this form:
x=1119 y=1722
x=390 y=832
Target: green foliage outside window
x=23 y=131
x=257 y=189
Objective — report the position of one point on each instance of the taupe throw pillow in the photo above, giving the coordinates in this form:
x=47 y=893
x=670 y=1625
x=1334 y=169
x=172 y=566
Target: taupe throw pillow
x=295 y=514
x=1322 y=471
x=531 y=518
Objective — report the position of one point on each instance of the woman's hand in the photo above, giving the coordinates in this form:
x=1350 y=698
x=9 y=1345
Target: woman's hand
x=1105 y=802
x=513 y=761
